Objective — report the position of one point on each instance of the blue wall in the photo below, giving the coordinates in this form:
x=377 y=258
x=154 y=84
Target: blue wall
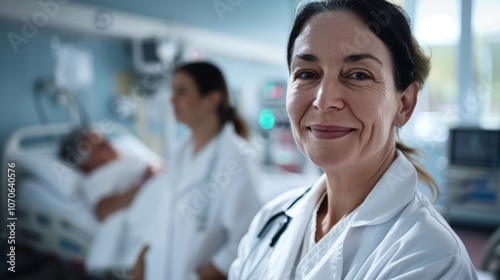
x=18 y=72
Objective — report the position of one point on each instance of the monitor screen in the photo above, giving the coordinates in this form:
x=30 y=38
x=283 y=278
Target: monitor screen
x=149 y=51
x=475 y=147
x=145 y=56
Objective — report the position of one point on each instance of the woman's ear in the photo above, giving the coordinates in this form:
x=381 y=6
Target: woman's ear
x=214 y=99
x=407 y=102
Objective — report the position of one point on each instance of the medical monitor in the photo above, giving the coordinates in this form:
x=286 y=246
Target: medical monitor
x=475 y=147
x=155 y=55
x=146 y=59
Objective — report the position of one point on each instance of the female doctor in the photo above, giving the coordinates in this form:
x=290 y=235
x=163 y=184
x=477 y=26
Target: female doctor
x=355 y=72
x=210 y=196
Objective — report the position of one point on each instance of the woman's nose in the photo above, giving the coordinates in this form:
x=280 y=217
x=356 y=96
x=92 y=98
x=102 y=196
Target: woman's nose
x=329 y=96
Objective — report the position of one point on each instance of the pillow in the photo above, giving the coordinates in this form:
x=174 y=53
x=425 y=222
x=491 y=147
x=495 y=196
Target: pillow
x=43 y=164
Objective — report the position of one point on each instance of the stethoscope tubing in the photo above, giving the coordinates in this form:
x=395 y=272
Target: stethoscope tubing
x=284 y=225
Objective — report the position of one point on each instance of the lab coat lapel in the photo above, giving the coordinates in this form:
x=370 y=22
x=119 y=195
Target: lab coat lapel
x=199 y=171
x=329 y=265
x=393 y=192
x=289 y=244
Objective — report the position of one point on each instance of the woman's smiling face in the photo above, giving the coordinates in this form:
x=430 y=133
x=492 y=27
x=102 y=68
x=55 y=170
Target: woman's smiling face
x=341 y=99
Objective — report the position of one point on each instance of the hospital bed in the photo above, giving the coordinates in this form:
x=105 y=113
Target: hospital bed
x=50 y=217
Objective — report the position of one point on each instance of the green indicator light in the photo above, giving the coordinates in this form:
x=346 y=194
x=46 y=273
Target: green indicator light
x=266 y=119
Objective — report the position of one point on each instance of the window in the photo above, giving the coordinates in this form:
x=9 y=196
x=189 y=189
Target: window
x=437 y=28
x=486 y=60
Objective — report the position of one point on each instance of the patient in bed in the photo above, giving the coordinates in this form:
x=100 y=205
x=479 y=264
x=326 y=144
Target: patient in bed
x=111 y=180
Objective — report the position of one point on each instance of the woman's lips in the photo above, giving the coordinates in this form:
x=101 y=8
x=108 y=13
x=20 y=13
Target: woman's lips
x=329 y=131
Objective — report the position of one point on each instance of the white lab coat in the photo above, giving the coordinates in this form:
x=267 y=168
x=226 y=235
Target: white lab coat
x=222 y=207
x=394 y=234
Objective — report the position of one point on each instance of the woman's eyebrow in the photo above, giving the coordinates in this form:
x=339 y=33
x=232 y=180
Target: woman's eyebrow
x=307 y=57
x=348 y=59
x=358 y=57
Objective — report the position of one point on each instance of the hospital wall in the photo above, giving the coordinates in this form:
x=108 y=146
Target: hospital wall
x=19 y=71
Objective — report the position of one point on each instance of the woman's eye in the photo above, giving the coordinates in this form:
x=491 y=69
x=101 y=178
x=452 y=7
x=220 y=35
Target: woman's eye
x=180 y=92
x=305 y=75
x=359 y=76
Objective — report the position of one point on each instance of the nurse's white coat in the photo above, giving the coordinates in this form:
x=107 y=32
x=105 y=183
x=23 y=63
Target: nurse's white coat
x=176 y=245
x=394 y=234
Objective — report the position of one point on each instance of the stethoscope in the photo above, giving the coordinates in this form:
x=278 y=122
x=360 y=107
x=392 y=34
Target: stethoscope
x=285 y=221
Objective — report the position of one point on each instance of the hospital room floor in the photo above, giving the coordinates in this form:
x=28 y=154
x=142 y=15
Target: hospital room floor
x=33 y=266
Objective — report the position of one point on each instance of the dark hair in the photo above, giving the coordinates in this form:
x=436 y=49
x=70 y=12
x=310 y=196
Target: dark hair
x=74 y=147
x=209 y=78
x=69 y=147
x=391 y=25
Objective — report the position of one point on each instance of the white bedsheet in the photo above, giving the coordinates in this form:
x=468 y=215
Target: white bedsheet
x=119 y=239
